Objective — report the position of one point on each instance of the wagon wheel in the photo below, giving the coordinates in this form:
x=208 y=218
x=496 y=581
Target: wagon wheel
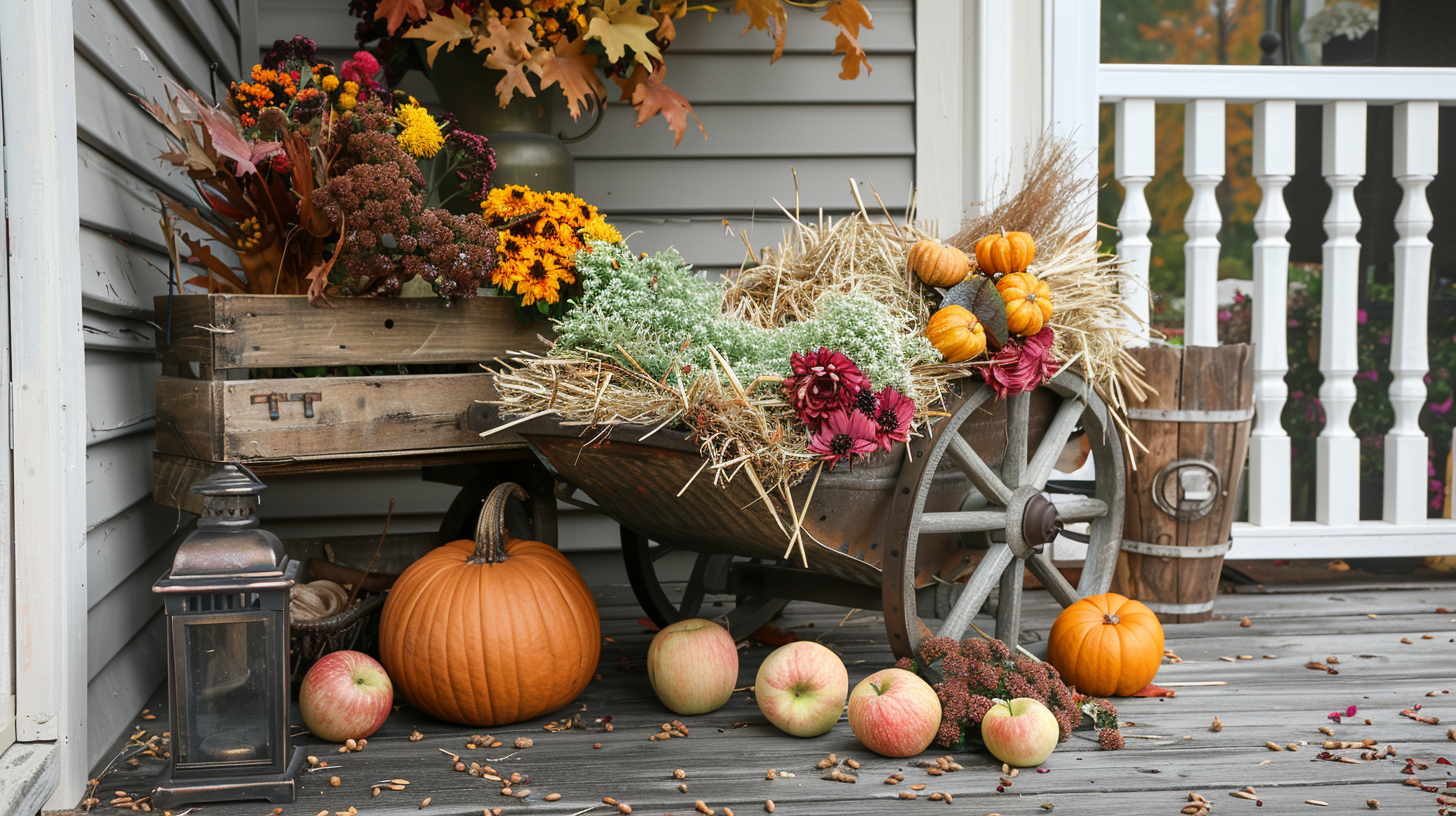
x=710 y=575
x=1020 y=519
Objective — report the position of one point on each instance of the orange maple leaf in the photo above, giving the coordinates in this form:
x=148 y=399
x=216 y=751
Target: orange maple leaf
x=442 y=31
x=573 y=71
x=848 y=16
x=397 y=11
x=512 y=42
x=768 y=15
x=514 y=80
x=651 y=97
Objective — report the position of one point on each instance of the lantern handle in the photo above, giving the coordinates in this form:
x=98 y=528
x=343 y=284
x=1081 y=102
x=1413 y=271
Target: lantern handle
x=490 y=530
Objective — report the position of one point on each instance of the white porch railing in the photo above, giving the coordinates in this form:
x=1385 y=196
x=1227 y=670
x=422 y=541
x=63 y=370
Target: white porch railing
x=1274 y=91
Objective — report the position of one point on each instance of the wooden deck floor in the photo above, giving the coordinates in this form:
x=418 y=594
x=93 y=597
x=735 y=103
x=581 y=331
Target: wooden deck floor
x=1170 y=750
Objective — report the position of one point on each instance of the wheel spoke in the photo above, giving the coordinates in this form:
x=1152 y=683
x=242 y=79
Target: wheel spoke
x=1008 y=603
x=1053 y=442
x=976 y=469
x=1013 y=464
x=1041 y=566
x=987 y=573
x=973 y=521
x=1080 y=509
x=692 y=599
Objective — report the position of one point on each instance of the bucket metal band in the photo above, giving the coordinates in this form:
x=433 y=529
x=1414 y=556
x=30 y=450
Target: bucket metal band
x=1179 y=609
x=1172 y=551
x=1190 y=415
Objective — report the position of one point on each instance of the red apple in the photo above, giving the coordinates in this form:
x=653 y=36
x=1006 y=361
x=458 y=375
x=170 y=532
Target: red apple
x=801 y=688
x=1021 y=732
x=693 y=666
x=346 y=695
x=895 y=713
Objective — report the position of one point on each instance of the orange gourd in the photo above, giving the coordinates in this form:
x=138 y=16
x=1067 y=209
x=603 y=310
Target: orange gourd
x=492 y=631
x=939 y=265
x=1028 y=302
x=956 y=334
x=1106 y=645
x=1002 y=253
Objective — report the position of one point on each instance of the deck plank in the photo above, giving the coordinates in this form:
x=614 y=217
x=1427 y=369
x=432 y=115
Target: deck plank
x=731 y=749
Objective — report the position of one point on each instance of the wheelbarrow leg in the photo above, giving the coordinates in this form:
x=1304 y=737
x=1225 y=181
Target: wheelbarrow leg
x=1008 y=603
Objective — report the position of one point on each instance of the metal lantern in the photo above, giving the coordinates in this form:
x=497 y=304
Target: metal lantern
x=227 y=653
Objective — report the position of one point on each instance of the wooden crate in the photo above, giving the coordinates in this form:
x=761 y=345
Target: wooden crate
x=210 y=409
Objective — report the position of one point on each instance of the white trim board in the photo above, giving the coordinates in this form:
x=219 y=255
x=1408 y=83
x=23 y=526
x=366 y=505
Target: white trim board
x=1367 y=539
x=1306 y=84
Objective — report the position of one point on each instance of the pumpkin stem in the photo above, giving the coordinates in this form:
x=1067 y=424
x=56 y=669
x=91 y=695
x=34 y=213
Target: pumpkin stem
x=490 y=531
x=1110 y=619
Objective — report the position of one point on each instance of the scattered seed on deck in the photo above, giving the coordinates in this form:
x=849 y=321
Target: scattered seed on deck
x=425 y=803
x=524 y=742
x=334 y=781
x=552 y=797
x=1316 y=803
x=1245 y=622
x=768 y=806
x=1373 y=804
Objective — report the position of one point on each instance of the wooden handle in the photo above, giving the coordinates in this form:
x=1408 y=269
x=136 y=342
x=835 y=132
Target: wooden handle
x=490 y=530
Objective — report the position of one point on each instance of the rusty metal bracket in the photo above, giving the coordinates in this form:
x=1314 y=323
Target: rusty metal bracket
x=273 y=398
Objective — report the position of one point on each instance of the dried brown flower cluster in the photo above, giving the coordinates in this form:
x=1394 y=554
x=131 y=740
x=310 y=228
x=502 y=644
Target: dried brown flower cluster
x=389 y=235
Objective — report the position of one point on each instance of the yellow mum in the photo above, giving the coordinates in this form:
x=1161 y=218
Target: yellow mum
x=330 y=82
x=348 y=101
x=419 y=133
x=599 y=230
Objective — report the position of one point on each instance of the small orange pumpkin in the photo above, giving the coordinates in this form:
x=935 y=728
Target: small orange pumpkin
x=491 y=631
x=1106 y=645
x=1028 y=302
x=1002 y=253
x=956 y=334
x=939 y=265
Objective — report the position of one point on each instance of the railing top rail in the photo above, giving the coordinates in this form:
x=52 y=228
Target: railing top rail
x=1256 y=83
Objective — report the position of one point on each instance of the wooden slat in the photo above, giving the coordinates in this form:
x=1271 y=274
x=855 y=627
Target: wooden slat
x=117 y=279
x=117 y=546
x=119 y=395
x=265 y=331
x=143 y=39
x=125 y=611
x=118 y=475
x=117 y=693
x=1138 y=574
x=352 y=416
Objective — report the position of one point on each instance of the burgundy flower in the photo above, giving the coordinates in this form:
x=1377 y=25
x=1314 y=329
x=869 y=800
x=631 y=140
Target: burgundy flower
x=892 y=417
x=843 y=435
x=1022 y=364
x=823 y=382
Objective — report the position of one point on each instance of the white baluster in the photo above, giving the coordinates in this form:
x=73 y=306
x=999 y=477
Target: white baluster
x=1203 y=166
x=1135 y=152
x=1406 y=448
x=1269 y=472
x=1337 y=474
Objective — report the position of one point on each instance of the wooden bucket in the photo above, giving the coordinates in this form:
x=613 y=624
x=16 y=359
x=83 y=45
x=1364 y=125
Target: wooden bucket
x=1181 y=497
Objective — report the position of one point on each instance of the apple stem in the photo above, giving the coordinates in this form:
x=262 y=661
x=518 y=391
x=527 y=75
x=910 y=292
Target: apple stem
x=1110 y=619
x=490 y=531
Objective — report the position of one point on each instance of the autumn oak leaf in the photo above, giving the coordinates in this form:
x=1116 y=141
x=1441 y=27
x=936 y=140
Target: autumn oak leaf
x=651 y=97
x=766 y=15
x=514 y=80
x=848 y=16
x=395 y=12
x=442 y=31
x=620 y=26
x=510 y=43
x=573 y=71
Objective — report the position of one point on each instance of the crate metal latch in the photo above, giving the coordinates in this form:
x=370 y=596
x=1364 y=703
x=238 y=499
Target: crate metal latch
x=274 y=398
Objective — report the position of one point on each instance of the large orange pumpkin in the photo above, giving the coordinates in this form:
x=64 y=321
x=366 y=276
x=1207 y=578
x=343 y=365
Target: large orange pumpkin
x=1106 y=645
x=1028 y=302
x=492 y=631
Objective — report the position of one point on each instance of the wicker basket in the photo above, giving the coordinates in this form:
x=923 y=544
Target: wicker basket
x=355 y=628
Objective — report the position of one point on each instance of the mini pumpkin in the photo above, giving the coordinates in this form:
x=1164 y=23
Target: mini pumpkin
x=956 y=334
x=491 y=631
x=1106 y=645
x=1028 y=302
x=1002 y=253
x=939 y=265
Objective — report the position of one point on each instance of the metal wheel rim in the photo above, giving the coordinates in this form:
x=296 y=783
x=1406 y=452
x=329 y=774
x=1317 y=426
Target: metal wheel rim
x=1001 y=567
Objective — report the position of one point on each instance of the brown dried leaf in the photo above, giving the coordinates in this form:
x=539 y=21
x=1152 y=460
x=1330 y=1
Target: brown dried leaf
x=651 y=97
x=441 y=31
x=395 y=12
x=848 y=16
x=573 y=71
x=766 y=15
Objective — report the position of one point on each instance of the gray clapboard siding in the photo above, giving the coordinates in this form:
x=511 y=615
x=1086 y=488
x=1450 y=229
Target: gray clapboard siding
x=123 y=49
x=764 y=121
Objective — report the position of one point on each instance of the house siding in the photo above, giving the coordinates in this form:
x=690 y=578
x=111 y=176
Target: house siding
x=123 y=48
x=764 y=122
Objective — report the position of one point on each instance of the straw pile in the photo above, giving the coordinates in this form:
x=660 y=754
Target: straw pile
x=602 y=376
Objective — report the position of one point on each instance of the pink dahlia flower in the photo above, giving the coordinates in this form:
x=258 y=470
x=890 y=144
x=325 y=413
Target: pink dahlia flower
x=892 y=417
x=844 y=434
x=1022 y=364
x=823 y=382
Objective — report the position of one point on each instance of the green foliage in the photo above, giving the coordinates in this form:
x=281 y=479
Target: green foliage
x=665 y=315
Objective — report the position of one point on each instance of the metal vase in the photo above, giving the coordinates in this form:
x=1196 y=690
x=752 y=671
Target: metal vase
x=527 y=148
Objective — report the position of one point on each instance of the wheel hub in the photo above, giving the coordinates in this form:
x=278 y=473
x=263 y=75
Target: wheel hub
x=1032 y=521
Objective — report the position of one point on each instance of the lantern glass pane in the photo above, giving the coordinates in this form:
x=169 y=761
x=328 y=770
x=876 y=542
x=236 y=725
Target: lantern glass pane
x=227 y=692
